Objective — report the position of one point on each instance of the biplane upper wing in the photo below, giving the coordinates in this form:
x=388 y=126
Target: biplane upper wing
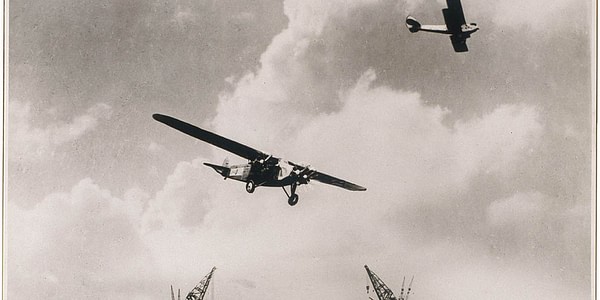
x=454 y=15
x=328 y=179
x=211 y=138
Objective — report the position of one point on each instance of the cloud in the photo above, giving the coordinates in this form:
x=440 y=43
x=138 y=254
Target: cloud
x=533 y=221
x=26 y=142
x=309 y=17
x=426 y=211
x=516 y=210
x=197 y=220
x=182 y=16
x=178 y=204
x=155 y=147
x=83 y=243
x=286 y=78
x=538 y=15
x=423 y=175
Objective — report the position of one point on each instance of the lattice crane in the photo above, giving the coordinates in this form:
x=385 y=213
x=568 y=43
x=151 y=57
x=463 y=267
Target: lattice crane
x=173 y=294
x=198 y=291
x=383 y=291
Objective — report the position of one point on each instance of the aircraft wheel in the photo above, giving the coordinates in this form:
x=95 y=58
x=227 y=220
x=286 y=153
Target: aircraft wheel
x=293 y=200
x=250 y=186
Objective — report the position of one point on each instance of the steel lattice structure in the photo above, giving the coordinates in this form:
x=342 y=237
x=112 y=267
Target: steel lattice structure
x=199 y=290
x=383 y=291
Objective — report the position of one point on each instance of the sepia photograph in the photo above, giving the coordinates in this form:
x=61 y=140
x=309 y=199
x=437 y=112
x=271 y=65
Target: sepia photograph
x=299 y=149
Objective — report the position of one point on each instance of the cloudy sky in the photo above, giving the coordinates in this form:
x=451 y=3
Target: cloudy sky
x=478 y=165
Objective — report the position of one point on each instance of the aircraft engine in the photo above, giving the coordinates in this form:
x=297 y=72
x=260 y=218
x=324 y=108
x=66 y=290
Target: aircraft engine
x=283 y=172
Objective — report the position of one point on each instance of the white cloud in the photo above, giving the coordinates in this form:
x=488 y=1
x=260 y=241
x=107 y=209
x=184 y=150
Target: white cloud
x=414 y=166
x=265 y=249
x=197 y=220
x=27 y=142
x=84 y=243
x=519 y=209
x=155 y=147
x=385 y=139
x=183 y=199
x=547 y=227
x=392 y=143
x=309 y=17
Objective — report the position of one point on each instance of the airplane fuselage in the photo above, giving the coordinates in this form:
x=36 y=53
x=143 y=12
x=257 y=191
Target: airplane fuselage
x=274 y=175
x=466 y=29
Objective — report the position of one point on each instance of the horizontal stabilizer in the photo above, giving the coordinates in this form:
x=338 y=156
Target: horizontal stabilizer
x=220 y=169
x=412 y=24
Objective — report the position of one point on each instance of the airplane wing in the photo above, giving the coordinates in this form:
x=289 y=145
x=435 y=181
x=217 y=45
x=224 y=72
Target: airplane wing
x=454 y=15
x=328 y=179
x=211 y=138
x=459 y=44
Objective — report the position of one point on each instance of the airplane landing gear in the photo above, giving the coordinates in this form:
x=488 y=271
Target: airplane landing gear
x=250 y=186
x=293 y=199
x=292 y=196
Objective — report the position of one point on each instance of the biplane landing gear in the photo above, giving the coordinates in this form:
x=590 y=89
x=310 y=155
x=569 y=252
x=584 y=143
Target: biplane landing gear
x=292 y=196
x=250 y=186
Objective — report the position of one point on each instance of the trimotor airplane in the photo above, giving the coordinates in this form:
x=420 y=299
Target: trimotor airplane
x=262 y=169
x=456 y=26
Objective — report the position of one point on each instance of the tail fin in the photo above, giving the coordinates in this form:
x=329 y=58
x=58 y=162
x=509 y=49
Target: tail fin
x=224 y=171
x=412 y=24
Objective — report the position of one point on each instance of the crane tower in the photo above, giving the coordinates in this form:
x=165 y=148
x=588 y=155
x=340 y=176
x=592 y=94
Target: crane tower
x=383 y=291
x=199 y=290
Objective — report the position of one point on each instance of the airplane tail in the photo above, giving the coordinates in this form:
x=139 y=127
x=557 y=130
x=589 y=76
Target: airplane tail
x=223 y=170
x=412 y=24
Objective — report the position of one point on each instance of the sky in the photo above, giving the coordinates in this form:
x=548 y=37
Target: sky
x=478 y=165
